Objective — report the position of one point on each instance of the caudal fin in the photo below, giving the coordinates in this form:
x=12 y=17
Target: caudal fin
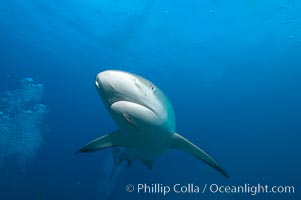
x=179 y=142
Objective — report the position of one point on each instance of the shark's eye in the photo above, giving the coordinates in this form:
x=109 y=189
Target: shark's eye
x=153 y=88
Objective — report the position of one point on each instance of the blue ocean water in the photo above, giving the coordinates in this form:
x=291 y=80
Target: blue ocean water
x=230 y=68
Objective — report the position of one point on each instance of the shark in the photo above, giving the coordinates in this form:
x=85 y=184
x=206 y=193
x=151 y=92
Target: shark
x=146 y=121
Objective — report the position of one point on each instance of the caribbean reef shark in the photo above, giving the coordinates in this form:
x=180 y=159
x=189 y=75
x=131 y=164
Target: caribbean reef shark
x=145 y=118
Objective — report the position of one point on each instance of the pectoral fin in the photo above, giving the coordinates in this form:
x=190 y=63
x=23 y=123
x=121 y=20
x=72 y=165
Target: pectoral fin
x=179 y=142
x=113 y=139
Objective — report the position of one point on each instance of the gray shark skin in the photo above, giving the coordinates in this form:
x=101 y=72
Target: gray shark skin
x=145 y=118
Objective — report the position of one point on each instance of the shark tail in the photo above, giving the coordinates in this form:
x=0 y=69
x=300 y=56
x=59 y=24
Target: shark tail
x=119 y=156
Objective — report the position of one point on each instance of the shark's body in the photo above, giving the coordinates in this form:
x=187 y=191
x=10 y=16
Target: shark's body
x=145 y=118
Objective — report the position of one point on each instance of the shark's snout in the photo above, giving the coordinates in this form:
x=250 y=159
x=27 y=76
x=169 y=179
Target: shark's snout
x=108 y=78
x=101 y=79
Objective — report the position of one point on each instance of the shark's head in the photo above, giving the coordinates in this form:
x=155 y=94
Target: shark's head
x=118 y=86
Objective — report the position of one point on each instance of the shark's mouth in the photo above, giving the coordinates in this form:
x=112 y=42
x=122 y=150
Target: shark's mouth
x=137 y=103
x=109 y=100
x=130 y=100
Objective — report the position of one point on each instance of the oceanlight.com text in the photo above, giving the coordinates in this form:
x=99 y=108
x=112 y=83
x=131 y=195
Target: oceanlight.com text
x=191 y=188
x=251 y=189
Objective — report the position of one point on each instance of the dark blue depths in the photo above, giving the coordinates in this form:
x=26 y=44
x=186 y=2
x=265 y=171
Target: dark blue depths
x=230 y=68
